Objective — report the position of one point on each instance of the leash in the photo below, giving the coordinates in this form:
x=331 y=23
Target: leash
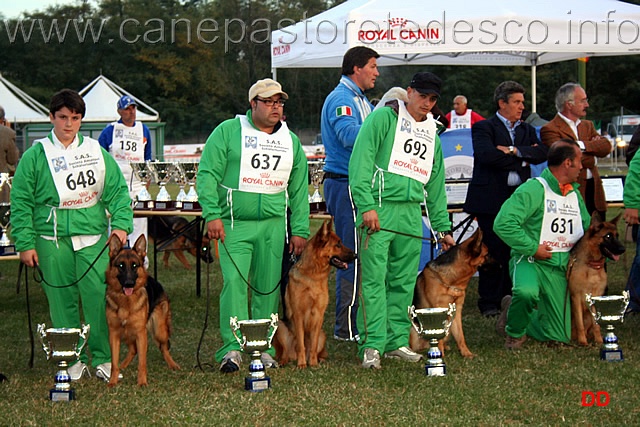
x=206 y=317
x=22 y=269
x=39 y=277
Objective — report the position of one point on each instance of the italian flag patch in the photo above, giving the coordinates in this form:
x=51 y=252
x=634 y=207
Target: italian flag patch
x=343 y=111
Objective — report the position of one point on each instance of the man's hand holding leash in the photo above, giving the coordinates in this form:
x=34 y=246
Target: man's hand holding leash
x=215 y=230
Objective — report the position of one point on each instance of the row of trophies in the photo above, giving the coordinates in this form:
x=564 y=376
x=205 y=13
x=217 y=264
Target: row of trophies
x=64 y=345
x=162 y=173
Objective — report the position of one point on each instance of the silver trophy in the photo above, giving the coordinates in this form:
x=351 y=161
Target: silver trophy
x=143 y=198
x=433 y=324
x=316 y=173
x=163 y=172
x=6 y=247
x=608 y=310
x=62 y=346
x=180 y=178
x=255 y=337
x=191 y=173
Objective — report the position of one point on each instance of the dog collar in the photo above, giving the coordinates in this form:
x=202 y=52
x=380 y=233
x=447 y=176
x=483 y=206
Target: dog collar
x=597 y=265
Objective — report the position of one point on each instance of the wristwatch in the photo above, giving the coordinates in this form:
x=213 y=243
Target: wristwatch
x=511 y=149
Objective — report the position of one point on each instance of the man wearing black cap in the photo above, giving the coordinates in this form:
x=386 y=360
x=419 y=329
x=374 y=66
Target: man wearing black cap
x=504 y=147
x=397 y=160
x=128 y=140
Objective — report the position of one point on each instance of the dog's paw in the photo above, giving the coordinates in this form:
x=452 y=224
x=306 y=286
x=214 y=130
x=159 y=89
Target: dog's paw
x=467 y=354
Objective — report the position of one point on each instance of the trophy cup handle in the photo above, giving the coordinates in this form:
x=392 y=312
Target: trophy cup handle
x=590 y=303
x=274 y=326
x=84 y=334
x=413 y=317
x=233 y=321
x=451 y=313
x=42 y=333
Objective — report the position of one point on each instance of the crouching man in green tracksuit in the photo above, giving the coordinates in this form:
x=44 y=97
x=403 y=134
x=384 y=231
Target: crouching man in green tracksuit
x=396 y=164
x=541 y=222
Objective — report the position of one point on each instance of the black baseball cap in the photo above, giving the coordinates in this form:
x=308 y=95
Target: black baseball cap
x=426 y=82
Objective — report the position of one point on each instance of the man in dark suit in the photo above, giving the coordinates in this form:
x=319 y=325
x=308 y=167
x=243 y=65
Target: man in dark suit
x=503 y=149
x=572 y=104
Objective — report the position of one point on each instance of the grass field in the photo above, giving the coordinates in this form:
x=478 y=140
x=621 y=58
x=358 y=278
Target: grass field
x=539 y=385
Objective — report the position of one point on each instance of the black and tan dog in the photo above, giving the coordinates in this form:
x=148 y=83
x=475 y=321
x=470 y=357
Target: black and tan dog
x=135 y=302
x=181 y=237
x=443 y=281
x=586 y=274
x=301 y=337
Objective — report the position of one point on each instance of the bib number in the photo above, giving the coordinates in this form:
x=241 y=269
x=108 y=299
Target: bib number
x=560 y=225
x=84 y=180
x=415 y=148
x=263 y=161
x=129 y=145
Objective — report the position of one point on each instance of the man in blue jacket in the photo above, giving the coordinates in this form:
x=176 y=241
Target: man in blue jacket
x=343 y=112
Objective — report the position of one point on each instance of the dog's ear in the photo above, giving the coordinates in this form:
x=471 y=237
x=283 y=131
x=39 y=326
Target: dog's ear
x=141 y=246
x=595 y=219
x=115 y=245
x=476 y=242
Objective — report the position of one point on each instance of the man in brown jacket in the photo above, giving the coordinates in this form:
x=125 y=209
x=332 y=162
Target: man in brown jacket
x=9 y=153
x=572 y=104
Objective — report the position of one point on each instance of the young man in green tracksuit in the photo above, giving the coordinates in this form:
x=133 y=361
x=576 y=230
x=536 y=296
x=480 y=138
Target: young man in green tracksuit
x=63 y=187
x=541 y=222
x=396 y=164
x=252 y=167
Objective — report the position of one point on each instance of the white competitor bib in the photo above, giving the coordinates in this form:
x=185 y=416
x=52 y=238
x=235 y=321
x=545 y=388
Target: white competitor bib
x=266 y=160
x=413 y=146
x=460 y=122
x=561 y=223
x=77 y=174
x=127 y=145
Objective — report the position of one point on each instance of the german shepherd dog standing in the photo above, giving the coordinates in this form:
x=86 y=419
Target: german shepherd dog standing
x=301 y=337
x=443 y=281
x=586 y=274
x=185 y=239
x=135 y=302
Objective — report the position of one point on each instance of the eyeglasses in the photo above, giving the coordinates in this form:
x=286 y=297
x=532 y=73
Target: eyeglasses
x=270 y=102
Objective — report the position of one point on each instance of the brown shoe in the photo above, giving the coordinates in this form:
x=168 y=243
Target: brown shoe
x=512 y=343
x=501 y=324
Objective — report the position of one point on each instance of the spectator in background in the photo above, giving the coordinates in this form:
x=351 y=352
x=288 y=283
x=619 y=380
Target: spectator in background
x=9 y=152
x=572 y=104
x=128 y=140
x=462 y=117
x=503 y=149
x=343 y=112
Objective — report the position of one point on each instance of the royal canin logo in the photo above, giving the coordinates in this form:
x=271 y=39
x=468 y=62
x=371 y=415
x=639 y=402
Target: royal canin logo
x=83 y=193
x=397 y=22
x=562 y=238
x=414 y=161
x=265 y=175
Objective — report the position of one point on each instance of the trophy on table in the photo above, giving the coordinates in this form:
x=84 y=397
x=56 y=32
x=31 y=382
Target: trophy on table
x=316 y=173
x=608 y=310
x=180 y=178
x=162 y=172
x=143 y=198
x=62 y=346
x=433 y=324
x=255 y=337
x=6 y=247
x=191 y=172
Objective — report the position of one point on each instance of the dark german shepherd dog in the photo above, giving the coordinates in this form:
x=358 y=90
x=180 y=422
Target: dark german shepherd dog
x=301 y=337
x=586 y=274
x=180 y=237
x=135 y=302
x=443 y=281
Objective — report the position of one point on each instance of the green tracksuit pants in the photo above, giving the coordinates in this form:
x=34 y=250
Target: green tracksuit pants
x=62 y=266
x=256 y=250
x=540 y=305
x=389 y=267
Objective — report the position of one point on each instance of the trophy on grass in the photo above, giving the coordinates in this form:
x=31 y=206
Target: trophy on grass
x=433 y=324
x=316 y=173
x=608 y=310
x=143 y=198
x=162 y=172
x=6 y=247
x=255 y=337
x=62 y=346
x=191 y=172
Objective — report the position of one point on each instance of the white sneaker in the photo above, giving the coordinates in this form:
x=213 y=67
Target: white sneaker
x=371 y=358
x=231 y=362
x=103 y=371
x=268 y=361
x=404 y=353
x=78 y=371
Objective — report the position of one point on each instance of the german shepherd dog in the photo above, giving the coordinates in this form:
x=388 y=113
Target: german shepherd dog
x=586 y=274
x=185 y=238
x=443 y=281
x=135 y=302
x=301 y=337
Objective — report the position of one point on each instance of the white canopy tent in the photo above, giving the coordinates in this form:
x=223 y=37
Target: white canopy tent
x=20 y=107
x=494 y=32
x=101 y=97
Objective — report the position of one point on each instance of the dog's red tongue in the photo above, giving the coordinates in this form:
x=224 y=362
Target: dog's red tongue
x=128 y=291
x=616 y=257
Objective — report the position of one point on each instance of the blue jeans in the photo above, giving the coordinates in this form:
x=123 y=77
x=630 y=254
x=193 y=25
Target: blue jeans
x=633 y=284
x=336 y=194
